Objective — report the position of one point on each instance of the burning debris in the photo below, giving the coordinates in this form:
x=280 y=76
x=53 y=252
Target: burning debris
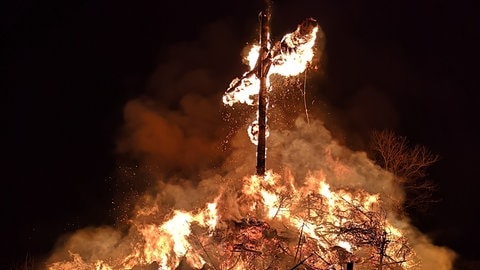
x=339 y=216
x=310 y=227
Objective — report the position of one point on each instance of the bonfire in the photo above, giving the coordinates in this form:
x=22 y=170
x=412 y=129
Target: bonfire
x=268 y=220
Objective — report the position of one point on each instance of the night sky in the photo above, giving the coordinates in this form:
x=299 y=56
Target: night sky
x=69 y=69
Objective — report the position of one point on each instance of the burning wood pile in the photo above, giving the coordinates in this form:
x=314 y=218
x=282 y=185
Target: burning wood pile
x=289 y=228
x=282 y=226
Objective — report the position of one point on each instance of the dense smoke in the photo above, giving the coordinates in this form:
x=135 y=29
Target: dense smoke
x=173 y=140
x=199 y=149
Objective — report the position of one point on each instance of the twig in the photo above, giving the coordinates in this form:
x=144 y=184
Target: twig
x=204 y=250
x=301 y=262
x=299 y=243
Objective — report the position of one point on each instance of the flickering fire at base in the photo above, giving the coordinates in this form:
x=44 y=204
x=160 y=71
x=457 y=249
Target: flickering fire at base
x=343 y=214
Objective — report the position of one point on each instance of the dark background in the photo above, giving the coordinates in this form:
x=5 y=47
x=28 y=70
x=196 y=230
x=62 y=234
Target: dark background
x=68 y=68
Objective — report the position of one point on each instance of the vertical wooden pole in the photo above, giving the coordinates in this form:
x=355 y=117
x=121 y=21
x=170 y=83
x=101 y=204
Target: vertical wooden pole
x=262 y=95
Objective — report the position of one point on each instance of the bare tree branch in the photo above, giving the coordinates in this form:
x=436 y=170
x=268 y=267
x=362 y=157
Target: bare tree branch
x=408 y=163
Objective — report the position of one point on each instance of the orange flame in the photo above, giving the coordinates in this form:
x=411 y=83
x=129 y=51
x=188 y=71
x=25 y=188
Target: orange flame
x=289 y=57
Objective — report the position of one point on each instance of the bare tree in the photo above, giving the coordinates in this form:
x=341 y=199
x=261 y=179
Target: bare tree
x=408 y=163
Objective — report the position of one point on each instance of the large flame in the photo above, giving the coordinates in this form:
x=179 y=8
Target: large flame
x=288 y=57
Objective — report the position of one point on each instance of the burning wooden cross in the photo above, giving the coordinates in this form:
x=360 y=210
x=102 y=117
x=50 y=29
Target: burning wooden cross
x=288 y=57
